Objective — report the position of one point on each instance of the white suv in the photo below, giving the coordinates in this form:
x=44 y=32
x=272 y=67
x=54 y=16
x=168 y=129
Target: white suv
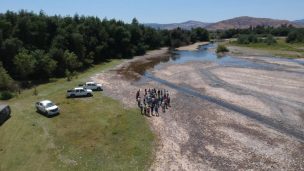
x=92 y=86
x=47 y=107
x=79 y=92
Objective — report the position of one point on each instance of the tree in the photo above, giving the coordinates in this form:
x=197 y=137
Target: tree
x=281 y=31
x=252 y=38
x=24 y=64
x=152 y=38
x=76 y=45
x=242 y=39
x=59 y=42
x=45 y=65
x=201 y=34
x=122 y=38
x=1 y=37
x=22 y=28
x=71 y=61
x=101 y=52
x=9 y=49
x=58 y=55
x=292 y=37
x=6 y=28
x=295 y=36
x=135 y=22
x=179 y=37
x=269 y=40
x=5 y=80
x=221 y=49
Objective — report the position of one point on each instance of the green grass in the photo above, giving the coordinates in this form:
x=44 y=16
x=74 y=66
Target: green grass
x=281 y=48
x=94 y=133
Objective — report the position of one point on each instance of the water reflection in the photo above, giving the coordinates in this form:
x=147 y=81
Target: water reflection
x=205 y=53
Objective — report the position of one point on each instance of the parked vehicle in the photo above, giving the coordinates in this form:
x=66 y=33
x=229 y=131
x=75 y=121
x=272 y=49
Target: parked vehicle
x=79 y=92
x=47 y=107
x=5 y=113
x=92 y=86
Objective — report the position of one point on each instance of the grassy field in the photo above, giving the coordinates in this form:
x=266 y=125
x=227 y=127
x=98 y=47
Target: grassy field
x=281 y=48
x=94 y=133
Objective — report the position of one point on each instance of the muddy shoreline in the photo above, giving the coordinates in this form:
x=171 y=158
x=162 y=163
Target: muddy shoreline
x=133 y=69
x=200 y=134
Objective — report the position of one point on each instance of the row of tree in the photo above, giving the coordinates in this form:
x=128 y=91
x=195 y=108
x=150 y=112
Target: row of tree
x=38 y=46
x=283 y=31
x=253 y=38
x=252 y=34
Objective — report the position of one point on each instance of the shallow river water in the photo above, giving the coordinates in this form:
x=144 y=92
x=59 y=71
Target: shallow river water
x=204 y=54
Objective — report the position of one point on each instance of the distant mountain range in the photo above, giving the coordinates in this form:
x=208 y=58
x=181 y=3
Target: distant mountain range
x=299 y=21
x=184 y=25
x=245 y=22
x=238 y=22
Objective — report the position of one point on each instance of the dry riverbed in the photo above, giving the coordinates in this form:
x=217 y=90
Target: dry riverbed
x=222 y=118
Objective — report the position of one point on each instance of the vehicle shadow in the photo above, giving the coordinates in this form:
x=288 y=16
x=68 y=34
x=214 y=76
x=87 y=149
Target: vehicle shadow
x=3 y=120
x=46 y=115
x=98 y=90
x=79 y=97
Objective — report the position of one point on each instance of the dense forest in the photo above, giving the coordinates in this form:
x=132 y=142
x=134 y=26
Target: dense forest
x=38 y=47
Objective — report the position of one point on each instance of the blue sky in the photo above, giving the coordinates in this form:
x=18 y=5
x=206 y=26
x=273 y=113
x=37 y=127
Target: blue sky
x=164 y=11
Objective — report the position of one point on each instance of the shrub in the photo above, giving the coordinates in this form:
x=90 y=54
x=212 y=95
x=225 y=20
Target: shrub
x=247 y=38
x=35 y=92
x=6 y=95
x=295 y=36
x=269 y=40
x=6 y=81
x=68 y=75
x=252 y=38
x=221 y=49
x=75 y=74
x=243 y=39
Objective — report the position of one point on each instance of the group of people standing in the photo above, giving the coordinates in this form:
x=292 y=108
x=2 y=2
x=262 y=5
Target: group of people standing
x=152 y=101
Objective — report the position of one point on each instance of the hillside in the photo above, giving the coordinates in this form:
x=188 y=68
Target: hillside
x=299 y=21
x=238 y=22
x=245 y=22
x=184 y=25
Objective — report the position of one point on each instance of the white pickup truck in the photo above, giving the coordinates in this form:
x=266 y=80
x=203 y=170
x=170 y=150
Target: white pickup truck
x=79 y=92
x=92 y=86
x=47 y=107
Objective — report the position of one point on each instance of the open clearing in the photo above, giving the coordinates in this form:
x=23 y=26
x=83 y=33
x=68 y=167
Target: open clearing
x=223 y=118
x=95 y=133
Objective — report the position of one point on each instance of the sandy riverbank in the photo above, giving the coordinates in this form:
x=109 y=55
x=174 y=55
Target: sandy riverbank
x=193 y=47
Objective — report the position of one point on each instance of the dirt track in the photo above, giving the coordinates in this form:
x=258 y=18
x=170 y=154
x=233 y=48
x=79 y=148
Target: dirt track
x=223 y=118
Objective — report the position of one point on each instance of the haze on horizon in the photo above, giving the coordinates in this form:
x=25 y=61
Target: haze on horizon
x=160 y=11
